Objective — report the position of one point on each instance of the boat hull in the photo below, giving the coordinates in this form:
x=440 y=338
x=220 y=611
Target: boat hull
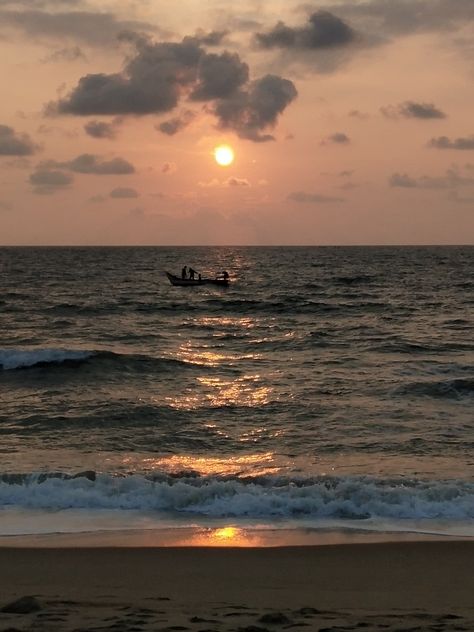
x=178 y=281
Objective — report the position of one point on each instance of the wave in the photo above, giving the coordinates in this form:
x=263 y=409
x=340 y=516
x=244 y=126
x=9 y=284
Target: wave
x=11 y=359
x=26 y=358
x=450 y=389
x=353 y=498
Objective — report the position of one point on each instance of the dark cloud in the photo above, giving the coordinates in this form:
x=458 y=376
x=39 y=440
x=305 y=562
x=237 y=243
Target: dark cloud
x=93 y=28
x=453 y=179
x=160 y=75
x=312 y=198
x=249 y=112
x=219 y=76
x=443 y=142
x=212 y=38
x=91 y=164
x=102 y=129
x=403 y=17
x=73 y=53
x=152 y=82
x=338 y=138
x=176 y=124
x=411 y=109
x=46 y=181
x=323 y=30
x=123 y=192
x=15 y=144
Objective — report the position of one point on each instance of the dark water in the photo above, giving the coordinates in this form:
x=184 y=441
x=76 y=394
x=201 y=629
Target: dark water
x=323 y=383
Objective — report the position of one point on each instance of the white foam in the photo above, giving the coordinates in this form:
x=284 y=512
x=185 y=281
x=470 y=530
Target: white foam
x=351 y=498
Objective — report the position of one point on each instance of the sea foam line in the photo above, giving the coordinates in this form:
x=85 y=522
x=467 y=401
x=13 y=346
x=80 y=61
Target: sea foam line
x=319 y=497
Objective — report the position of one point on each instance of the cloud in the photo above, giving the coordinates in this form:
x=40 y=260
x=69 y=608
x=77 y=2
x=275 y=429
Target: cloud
x=338 y=138
x=323 y=30
x=123 y=192
x=92 y=164
x=411 y=109
x=159 y=75
x=404 y=17
x=46 y=181
x=211 y=38
x=312 y=198
x=176 y=124
x=219 y=76
x=92 y=28
x=210 y=184
x=97 y=199
x=453 y=179
x=102 y=129
x=169 y=168
x=443 y=142
x=249 y=112
x=236 y=182
x=65 y=55
x=402 y=180
x=15 y=144
x=363 y=116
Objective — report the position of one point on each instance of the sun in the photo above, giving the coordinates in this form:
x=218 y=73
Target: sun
x=224 y=155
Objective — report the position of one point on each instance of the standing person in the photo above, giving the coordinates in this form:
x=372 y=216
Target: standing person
x=192 y=273
x=183 y=272
x=225 y=275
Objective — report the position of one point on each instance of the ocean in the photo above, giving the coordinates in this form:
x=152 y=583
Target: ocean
x=327 y=389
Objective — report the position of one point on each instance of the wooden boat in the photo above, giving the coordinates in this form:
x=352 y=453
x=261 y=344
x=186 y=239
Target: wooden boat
x=175 y=280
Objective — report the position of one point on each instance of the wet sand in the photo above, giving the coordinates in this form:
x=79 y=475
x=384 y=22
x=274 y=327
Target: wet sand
x=378 y=586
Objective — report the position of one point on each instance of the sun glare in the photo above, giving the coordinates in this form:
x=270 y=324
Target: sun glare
x=224 y=155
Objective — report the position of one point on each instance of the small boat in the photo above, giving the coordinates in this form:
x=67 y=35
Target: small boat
x=176 y=280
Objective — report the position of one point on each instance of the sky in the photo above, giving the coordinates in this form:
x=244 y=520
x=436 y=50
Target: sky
x=351 y=122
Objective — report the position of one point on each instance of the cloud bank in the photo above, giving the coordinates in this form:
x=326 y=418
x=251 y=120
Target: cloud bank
x=160 y=75
x=443 y=142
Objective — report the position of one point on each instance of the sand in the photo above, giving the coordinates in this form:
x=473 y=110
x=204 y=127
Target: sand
x=379 y=586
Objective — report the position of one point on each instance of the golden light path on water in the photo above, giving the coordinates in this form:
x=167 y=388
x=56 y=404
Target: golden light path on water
x=217 y=392
x=261 y=464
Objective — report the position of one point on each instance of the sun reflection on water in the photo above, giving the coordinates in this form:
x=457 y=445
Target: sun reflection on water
x=187 y=352
x=261 y=464
x=216 y=392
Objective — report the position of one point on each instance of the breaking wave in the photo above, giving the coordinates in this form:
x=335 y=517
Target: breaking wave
x=354 y=498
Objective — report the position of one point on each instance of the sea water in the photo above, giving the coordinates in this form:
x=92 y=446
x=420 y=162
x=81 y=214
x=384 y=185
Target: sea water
x=325 y=389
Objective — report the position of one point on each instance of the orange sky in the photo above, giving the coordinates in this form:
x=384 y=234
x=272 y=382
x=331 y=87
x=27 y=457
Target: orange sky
x=351 y=122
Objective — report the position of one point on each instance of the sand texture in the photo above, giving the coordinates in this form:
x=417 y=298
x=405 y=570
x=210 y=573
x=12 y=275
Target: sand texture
x=401 y=586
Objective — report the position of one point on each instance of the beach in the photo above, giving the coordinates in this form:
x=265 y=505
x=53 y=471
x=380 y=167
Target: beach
x=389 y=585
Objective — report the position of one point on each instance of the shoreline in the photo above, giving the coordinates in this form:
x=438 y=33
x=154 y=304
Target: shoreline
x=220 y=537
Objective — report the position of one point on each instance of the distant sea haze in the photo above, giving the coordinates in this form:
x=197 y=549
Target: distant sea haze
x=324 y=388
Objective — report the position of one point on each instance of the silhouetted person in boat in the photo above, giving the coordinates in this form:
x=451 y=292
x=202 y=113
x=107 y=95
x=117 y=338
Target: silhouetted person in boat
x=192 y=273
x=199 y=278
x=225 y=275
x=183 y=272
